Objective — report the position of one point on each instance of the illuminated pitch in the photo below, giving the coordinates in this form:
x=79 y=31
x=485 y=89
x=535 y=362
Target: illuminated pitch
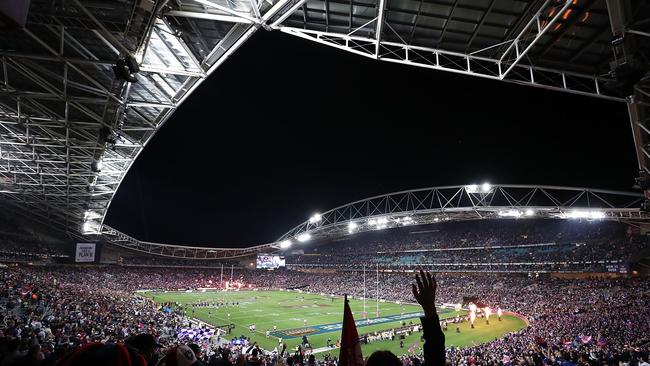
x=290 y=315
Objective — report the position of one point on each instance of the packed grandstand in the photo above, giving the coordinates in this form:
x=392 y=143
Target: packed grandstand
x=575 y=283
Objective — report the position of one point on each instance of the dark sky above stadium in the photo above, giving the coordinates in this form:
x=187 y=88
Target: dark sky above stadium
x=286 y=128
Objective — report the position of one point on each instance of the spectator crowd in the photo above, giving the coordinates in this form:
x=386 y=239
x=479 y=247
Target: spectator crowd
x=489 y=245
x=46 y=312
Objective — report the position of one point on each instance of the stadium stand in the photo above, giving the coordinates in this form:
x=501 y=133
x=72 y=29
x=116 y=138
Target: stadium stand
x=492 y=245
x=594 y=314
x=587 y=321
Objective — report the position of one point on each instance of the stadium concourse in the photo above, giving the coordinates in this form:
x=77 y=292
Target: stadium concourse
x=579 y=284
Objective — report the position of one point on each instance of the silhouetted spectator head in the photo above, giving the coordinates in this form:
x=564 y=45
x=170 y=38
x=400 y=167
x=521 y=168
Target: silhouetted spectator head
x=179 y=356
x=98 y=354
x=196 y=349
x=145 y=344
x=383 y=358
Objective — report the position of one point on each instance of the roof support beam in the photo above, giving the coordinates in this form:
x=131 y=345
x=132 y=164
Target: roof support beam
x=534 y=28
x=379 y=26
x=208 y=16
x=228 y=10
x=456 y=62
x=288 y=13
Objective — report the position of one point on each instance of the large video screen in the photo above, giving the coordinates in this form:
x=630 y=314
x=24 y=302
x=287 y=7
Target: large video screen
x=267 y=261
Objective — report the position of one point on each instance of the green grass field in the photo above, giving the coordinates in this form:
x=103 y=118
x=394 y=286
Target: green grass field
x=287 y=311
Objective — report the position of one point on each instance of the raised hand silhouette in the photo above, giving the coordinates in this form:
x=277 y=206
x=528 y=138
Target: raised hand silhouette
x=425 y=292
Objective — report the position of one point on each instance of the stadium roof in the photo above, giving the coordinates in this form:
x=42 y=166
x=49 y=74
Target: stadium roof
x=86 y=84
x=561 y=45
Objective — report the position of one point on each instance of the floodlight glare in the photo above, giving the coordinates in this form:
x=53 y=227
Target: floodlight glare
x=303 y=237
x=285 y=244
x=591 y=215
x=314 y=219
x=530 y=212
x=486 y=187
x=352 y=226
x=472 y=188
x=91 y=215
x=510 y=213
x=87 y=227
x=90 y=228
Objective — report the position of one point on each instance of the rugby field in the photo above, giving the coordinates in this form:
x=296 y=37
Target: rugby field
x=288 y=310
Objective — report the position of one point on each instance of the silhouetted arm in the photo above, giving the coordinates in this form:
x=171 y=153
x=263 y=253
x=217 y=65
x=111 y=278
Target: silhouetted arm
x=434 y=338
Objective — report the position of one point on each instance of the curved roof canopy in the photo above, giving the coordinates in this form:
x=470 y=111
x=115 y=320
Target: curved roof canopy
x=425 y=206
x=86 y=84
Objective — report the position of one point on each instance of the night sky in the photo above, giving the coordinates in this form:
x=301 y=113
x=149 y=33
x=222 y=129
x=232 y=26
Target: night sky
x=286 y=128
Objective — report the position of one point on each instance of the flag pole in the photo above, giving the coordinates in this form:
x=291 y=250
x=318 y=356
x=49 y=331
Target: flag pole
x=350 y=351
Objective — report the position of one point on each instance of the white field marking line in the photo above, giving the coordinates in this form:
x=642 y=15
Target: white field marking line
x=313 y=319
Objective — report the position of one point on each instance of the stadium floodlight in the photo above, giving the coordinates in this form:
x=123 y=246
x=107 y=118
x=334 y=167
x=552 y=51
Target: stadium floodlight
x=510 y=213
x=407 y=220
x=582 y=214
x=285 y=244
x=484 y=188
x=379 y=222
x=382 y=223
x=303 y=237
x=472 y=188
x=530 y=212
x=316 y=218
x=352 y=226
x=91 y=215
x=90 y=228
x=435 y=219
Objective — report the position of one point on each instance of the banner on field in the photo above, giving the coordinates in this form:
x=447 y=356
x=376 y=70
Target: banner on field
x=85 y=252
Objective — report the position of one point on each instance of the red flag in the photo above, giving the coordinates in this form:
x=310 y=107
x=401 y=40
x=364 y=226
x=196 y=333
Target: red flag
x=350 y=354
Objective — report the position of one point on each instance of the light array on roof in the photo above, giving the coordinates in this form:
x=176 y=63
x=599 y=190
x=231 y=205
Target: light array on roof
x=511 y=213
x=304 y=237
x=352 y=226
x=315 y=218
x=483 y=188
x=585 y=214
